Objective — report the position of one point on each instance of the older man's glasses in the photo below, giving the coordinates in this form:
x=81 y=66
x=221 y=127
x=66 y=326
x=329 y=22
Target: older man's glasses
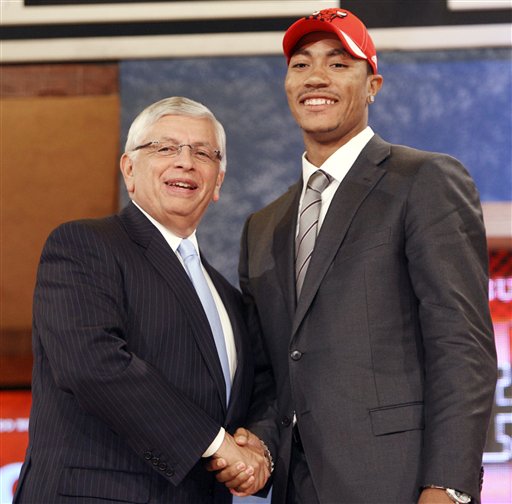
x=168 y=150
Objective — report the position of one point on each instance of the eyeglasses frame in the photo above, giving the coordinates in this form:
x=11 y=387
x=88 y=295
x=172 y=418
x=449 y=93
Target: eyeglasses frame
x=218 y=156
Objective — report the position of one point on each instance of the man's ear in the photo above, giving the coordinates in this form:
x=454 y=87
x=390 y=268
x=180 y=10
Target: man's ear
x=126 y=166
x=374 y=84
x=218 y=184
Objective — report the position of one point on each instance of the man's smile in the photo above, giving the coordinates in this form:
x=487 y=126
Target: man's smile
x=181 y=184
x=318 y=101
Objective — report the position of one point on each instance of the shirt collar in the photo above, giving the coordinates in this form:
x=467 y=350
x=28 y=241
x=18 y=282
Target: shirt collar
x=172 y=239
x=339 y=162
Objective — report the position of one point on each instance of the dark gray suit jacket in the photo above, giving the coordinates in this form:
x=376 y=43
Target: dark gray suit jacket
x=388 y=358
x=128 y=389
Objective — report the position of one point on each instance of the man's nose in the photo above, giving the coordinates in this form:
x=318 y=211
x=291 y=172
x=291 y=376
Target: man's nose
x=318 y=77
x=184 y=157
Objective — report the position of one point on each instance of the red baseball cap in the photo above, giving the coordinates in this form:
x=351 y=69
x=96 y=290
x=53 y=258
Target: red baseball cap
x=349 y=28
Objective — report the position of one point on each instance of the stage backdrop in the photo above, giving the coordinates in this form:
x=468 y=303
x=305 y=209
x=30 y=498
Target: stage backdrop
x=457 y=102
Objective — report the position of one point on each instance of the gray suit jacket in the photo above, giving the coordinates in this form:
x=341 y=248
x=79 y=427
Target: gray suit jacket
x=128 y=389
x=388 y=358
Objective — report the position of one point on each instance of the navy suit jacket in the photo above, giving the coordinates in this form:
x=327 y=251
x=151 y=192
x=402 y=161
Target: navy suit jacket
x=388 y=357
x=128 y=390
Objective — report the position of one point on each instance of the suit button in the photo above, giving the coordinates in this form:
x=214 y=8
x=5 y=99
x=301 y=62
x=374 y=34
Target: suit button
x=169 y=472
x=162 y=466
x=155 y=461
x=296 y=355
x=147 y=455
x=285 y=421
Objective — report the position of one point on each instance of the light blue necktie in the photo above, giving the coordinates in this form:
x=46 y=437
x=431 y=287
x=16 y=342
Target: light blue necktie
x=193 y=266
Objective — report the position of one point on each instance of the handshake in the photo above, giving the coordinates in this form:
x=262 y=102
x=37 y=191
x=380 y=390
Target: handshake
x=243 y=463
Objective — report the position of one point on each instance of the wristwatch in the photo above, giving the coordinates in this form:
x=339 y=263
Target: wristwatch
x=454 y=495
x=268 y=457
x=458 y=497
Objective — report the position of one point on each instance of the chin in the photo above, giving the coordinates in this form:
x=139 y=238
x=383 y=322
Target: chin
x=320 y=129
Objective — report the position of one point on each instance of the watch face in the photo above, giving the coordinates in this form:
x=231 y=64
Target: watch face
x=457 y=496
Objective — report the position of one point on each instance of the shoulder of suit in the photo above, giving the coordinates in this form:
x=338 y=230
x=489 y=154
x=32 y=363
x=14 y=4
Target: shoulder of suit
x=279 y=206
x=403 y=158
x=105 y=228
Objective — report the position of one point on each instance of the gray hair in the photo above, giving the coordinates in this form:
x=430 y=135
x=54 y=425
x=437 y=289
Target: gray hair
x=175 y=105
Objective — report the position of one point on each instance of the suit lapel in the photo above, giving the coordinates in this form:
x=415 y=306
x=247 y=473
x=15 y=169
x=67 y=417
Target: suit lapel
x=159 y=254
x=355 y=187
x=283 y=249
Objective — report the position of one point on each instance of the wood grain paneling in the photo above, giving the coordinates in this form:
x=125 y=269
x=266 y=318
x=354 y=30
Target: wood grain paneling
x=59 y=161
x=58 y=80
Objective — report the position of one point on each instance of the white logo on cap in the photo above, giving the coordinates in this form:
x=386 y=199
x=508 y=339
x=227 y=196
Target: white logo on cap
x=355 y=48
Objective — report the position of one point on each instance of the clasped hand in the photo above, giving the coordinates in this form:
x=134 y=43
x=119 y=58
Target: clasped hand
x=240 y=463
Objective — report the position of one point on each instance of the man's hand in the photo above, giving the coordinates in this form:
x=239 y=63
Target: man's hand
x=241 y=464
x=244 y=437
x=434 y=496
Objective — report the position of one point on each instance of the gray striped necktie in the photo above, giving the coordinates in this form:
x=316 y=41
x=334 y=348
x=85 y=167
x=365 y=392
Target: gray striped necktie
x=308 y=225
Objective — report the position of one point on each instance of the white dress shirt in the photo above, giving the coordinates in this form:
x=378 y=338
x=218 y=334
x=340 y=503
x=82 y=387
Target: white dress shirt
x=337 y=166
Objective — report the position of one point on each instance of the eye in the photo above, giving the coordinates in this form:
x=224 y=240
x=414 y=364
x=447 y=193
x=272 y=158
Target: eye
x=299 y=64
x=167 y=150
x=202 y=153
x=339 y=65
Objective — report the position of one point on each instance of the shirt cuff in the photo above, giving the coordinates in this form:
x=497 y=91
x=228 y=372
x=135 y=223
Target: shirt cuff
x=215 y=444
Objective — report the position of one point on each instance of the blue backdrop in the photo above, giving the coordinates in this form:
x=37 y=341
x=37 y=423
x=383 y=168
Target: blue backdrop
x=458 y=102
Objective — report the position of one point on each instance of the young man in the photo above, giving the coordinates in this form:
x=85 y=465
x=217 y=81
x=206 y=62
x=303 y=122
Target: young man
x=376 y=365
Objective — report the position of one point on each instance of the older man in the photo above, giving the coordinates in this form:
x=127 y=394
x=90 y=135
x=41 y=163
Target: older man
x=141 y=361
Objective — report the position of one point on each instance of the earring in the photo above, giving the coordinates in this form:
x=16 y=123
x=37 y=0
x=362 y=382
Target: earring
x=371 y=99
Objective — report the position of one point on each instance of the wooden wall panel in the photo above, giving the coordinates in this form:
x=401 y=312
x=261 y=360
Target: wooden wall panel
x=59 y=161
x=58 y=79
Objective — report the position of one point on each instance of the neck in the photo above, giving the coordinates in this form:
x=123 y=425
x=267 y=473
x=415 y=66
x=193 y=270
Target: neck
x=318 y=150
x=319 y=147
x=180 y=226
x=318 y=154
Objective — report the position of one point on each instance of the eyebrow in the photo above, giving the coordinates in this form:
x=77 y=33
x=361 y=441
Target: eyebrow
x=332 y=52
x=176 y=141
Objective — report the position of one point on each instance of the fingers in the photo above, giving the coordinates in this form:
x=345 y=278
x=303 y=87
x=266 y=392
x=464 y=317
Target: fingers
x=243 y=482
x=216 y=464
x=244 y=488
x=240 y=463
x=237 y=473
x=250 y=486
x=246 y=438
x=242 y=436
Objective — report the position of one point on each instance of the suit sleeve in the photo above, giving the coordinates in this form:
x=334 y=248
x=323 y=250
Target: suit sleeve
x=447 y=260
x=262 y=418
x=80 y=314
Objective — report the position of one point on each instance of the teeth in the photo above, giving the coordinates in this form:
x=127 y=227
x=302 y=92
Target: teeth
x=181 y=184
x=319 y=101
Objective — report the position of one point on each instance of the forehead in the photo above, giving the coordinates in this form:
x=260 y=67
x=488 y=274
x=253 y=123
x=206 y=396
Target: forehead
x=179 y=127
x=319 y=41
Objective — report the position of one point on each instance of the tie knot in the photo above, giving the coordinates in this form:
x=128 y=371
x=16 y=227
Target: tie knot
x=319 y=181
x=187 y=249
